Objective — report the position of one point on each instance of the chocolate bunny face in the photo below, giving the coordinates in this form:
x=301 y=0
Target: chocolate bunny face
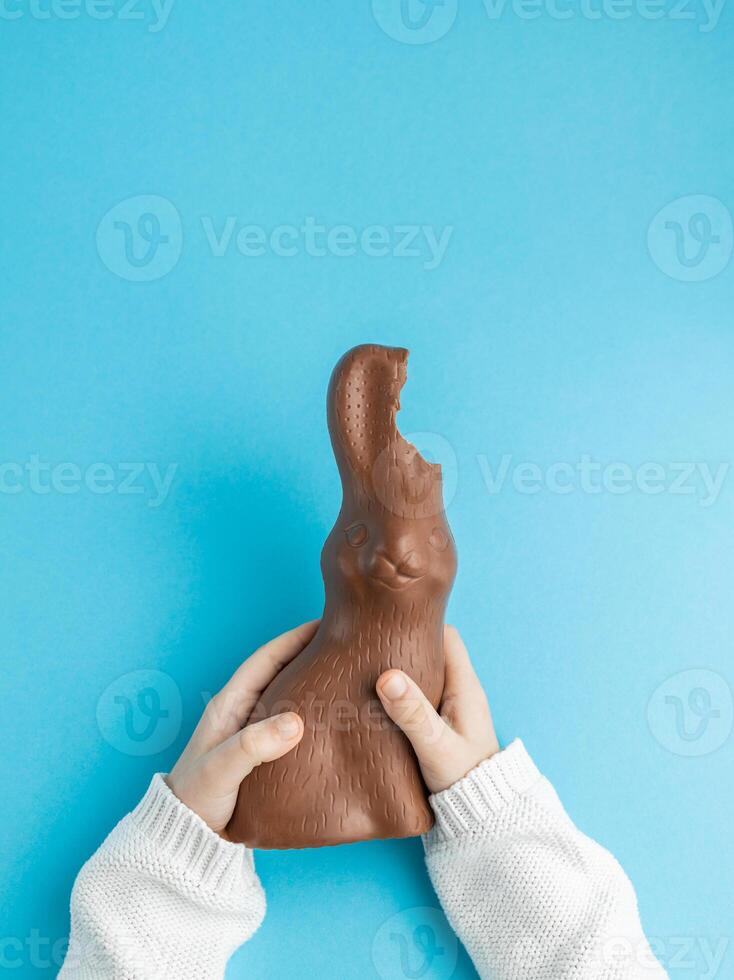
x=383 y=556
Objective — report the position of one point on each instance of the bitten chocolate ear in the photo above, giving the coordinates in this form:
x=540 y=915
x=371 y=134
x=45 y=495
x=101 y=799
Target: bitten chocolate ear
x=376 y=464
x=388 y=567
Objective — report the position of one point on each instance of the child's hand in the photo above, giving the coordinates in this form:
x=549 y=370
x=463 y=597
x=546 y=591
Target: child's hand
x=224 y=749
x=451 y=743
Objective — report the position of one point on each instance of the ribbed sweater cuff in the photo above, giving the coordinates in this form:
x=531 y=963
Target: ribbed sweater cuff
x=182 y=840
x=464 y=807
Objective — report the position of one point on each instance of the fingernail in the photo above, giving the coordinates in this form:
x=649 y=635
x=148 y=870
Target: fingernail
x=288 y=725
x=395 y=686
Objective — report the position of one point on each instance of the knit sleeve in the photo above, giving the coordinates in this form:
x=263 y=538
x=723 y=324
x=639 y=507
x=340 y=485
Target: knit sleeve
x=163 y=897
x=528 y=894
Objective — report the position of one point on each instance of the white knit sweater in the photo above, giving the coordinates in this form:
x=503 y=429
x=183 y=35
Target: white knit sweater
x=528 y=894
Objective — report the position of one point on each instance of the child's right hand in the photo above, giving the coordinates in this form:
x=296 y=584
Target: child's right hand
x=451 y=742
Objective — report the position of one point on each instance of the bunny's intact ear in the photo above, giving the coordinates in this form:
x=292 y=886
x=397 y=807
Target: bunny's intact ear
x=377 y=466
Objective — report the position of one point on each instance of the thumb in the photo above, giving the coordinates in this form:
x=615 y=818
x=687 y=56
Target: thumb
x=414 y=714
x=224 y=768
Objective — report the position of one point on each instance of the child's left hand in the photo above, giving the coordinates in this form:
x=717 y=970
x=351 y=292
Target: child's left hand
x=224 y=749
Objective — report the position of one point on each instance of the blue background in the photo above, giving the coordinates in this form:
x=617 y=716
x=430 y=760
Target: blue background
x=546 y=332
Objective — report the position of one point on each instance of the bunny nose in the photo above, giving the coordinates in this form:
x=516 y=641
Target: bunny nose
x=408 y=566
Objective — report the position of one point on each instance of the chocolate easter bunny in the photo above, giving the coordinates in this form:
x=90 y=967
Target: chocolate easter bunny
x=388 y=567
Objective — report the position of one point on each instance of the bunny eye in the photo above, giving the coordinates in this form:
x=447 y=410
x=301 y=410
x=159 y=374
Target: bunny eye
x=439 y=539
x=356 y=535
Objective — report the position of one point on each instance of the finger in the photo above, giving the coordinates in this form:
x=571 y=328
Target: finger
x=223 y=769
x=461 y=679
x=414 y=714
x=228 y=711
x=251 y=679
x=463 y=697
